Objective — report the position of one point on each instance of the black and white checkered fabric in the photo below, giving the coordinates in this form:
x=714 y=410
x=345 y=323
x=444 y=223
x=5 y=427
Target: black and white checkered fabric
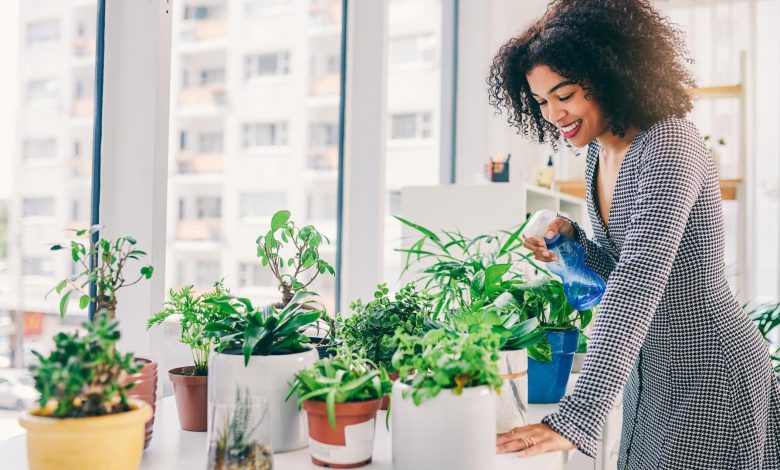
x=699 y=388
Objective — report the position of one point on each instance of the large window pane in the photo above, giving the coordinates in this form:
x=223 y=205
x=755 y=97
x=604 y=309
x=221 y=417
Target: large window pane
x=254 y=129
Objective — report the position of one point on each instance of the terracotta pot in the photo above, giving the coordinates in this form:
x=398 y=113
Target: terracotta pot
x=385 y=403
x=351 y=444
x=145 y=389
x=191 y=393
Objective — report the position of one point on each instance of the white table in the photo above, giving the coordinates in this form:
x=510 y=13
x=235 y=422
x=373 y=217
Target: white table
x=174 y=449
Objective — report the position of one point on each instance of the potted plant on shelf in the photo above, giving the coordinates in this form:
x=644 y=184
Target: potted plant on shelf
x=767 y=318
x=550 y=360
x=292 y=253
x=440 y=373
x=239 y=437
x=341 y=395
x=190 y=382
x=262 y=349
x=371 y=326
x=84 y=417
x=110 y=261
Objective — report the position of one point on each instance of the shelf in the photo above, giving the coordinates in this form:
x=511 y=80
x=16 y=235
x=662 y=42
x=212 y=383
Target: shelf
x=728 y=188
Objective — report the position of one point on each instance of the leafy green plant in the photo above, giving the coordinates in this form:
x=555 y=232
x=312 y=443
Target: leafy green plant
x=262 y=331
x=294 y=272
x=371 y=327
x=195 y=312
x=236 y=446
x=767 y=319
x=110 y=259
x=438 y=361
x=344 y=378
x=84 y=375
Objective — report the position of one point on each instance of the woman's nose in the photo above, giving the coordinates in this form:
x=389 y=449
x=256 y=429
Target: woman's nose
x=556 y=114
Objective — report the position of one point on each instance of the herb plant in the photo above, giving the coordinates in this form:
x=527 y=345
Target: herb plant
x=195 y=313
x=110 y=259
x=262 y=331
x=344 y=378
x=294 y=272
x=236 y=446
x=440 y=361
x=372 y=326
x=84 y=375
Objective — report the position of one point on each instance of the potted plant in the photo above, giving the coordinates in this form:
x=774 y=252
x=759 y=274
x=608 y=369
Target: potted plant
x=371 y=326
x=84 y=418
x=767 y=318
x=292 y=253
x=341 y=396
x=190 y=382
x=262 y=349
x=104 y=263
x=239 y=440
x=440 y=373
x=550 y=360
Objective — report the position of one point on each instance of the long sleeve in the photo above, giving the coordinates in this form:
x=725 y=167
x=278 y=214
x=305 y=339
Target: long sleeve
x=596 y=257
x=671 y=172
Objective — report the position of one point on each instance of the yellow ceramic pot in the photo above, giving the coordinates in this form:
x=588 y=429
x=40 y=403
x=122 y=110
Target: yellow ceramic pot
x=97 y=443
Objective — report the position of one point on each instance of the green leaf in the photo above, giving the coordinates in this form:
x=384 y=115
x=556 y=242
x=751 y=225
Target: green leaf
x=64 y=303
x=84 y=301
x=279 y=219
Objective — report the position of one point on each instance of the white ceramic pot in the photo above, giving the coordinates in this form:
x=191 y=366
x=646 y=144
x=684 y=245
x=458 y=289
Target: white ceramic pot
x=578 y=362
x=269 y=377
x=512 y=403
x=453 y=432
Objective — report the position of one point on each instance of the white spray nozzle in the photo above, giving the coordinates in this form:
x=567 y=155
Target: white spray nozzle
x=539 y=223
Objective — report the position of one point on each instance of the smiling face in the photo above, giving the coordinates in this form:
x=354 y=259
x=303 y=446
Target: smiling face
x=563 y=104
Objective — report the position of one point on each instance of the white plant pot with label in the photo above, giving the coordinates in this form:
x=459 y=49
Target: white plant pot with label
x=512 y=402
x=453 y=432
x=269 y=377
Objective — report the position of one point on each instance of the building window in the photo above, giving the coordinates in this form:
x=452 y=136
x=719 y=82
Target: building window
x=263 y=134
x=208 y=207
x=253 y=274
x=323 y=133
x=261 y=204
x=254 y=7
x=210 y=142
x=410 y=126
x=38 y=207
x=263 y=65
x=321 y=205
x=42 y=90
x=407 y=50
x=82 y=89
x=211 y=76
x=75 y=210
x=202 y=12
x=39 y=148
x=43 y=31
x=206 y=272
x=36 y=266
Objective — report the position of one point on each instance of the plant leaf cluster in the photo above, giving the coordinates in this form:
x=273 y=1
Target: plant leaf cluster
x=249 y=330
x=372 y=326
x=236 y=446
x=344 y=378
x=84 y=375
x=437 y=361
x=195 y=312
x=767 y=319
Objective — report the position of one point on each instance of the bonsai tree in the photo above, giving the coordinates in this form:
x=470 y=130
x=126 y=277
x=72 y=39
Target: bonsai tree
x=237 y=445
x=371 y=328
x=107 y=272
x=195 y=313
x=292 y=254
x=261 y=331
x=344 y=378
x=84 y=375
x=438 y=361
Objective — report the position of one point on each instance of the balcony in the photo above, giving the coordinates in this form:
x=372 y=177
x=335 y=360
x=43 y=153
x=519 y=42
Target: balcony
x=83 y=107
x=188 y=163
x=322 y=158
x=199 y=230
x=325 y=17
x=203 y=30
x=213 y=94
x=84 y=46
x=325 y=85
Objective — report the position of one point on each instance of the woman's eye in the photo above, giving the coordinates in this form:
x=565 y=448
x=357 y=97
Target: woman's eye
x=566 y=98
x=541 y=103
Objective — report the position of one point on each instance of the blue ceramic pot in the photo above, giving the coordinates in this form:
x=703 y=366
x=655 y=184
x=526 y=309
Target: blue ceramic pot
x=547 y=380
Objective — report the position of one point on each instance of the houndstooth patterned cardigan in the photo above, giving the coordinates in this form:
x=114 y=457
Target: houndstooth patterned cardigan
x=699 y=388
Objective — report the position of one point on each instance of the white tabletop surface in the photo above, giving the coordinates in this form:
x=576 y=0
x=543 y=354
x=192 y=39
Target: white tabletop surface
x=174 y=449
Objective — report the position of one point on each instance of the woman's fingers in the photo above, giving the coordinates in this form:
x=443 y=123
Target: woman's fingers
x=531 y=440
x=539 y=249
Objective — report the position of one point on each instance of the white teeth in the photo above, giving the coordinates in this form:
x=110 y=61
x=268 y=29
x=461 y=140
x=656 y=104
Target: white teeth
x=571 y=126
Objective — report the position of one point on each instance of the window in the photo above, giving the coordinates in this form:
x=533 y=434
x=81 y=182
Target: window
x=261 y=204
x=410 y=126
x=39 y=90
x=43 y=31
x=210 y=142
x=208 y=207
x=323 y=133
x=253 y=274
x=321 y=205
x=206 y=273
x=202 y=12
x=416 y=50
x=40 y=148
x=38 y=207
x=265 y=134
x=209 y=76
x=271 y=63
x=37 y=266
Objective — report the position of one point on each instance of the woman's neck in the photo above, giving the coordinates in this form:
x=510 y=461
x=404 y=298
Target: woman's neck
x=614 y=144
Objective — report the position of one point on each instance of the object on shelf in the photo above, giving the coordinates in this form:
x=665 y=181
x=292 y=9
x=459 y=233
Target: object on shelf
x=239 y=437
x=512 y=402
x=543 y=177
x=497 y=168
x=547 y=380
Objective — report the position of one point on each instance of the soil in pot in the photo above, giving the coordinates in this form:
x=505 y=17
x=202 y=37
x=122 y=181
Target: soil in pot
x=351 y=444
x=191 y=393
x=145 y=389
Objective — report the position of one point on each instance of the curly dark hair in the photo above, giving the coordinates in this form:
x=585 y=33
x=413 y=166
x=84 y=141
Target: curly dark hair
x=623 y=53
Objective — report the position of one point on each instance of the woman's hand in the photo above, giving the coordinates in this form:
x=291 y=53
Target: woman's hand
x=532 y=439
x=539 y=247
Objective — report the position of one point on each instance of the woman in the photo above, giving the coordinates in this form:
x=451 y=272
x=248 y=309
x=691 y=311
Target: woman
x=699 y=389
